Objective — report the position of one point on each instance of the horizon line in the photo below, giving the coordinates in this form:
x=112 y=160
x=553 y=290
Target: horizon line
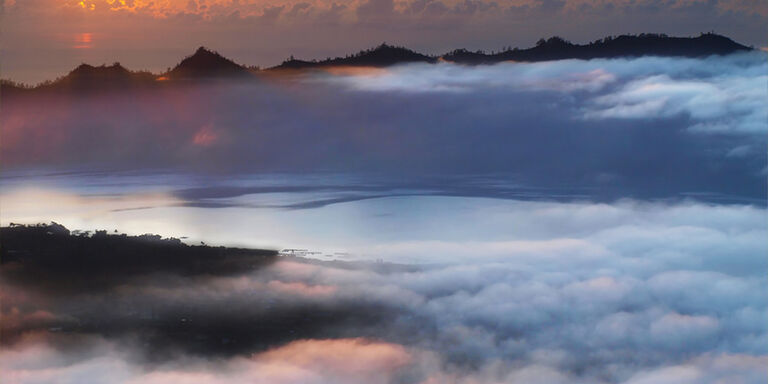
x=437 y=57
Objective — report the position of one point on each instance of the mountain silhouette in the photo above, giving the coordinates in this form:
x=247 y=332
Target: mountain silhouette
x=382 y=56
x=557 y=48
x=89 y=78
x=205 y=63
x=208 y=64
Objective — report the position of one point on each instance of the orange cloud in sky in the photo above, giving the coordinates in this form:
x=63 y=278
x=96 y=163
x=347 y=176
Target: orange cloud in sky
x=244 y=8
x=288 y=9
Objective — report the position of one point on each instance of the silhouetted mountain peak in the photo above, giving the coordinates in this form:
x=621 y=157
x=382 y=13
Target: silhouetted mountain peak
x=385 y=54
x=554 y=42
x=86 y=77
x=380 y=56
x=715 y=40
x=87 y=70
x=292 y=63
x=204 y=51
x=206 y=63
x=386 y=48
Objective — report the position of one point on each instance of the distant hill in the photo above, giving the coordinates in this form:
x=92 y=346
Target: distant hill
x=557 y=48
x=382 y=56
x=89 y=78
x=85 y=75
x=205 y=63
x=208 y=64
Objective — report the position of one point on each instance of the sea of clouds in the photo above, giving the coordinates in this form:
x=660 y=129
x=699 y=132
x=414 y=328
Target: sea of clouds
x=599 y=293
x=643 y=278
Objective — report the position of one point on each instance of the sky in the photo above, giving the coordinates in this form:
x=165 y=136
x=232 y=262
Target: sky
x=44 y=39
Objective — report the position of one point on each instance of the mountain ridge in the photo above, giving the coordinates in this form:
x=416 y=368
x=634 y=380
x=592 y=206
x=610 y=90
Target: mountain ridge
x=206 y=64
x=381 y=56
x=645 y=44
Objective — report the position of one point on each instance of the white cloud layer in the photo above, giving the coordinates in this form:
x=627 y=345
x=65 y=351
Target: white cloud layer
x=718 y=94
x=598 y=293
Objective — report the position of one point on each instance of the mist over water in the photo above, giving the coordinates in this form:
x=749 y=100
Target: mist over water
x=641 y=128
x=593 y=221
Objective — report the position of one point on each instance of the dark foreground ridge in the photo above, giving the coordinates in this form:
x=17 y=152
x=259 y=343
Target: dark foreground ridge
x=161 y=296
x=206 y=64
x=52 y=257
